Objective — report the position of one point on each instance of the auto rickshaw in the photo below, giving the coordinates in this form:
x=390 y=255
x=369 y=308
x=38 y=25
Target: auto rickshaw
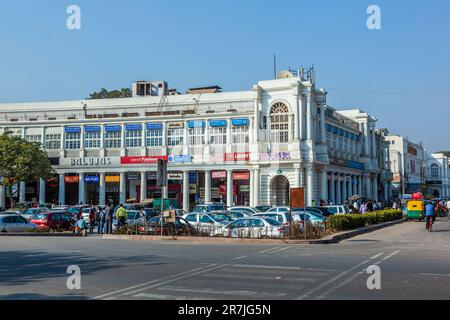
x=415 y=208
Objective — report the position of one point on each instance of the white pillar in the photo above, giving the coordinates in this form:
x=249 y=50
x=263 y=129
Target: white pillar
x=298 y=177
x=366 y=139
x=344 y=189
x=349 y=187
x=324 y=186
x=229 y=188
x=297 y=118
x=102 y=190
x=354 y=185
x=360 y=189
x=323 y=133
x=386 y=193
x=310 y=185
x=207 y=186
x=143 y=193
x=62 y=189
x=375 y=189
x=368 y=187
x=252 y=188
x=22 y=191
x=122 y=189
x=338 y=191
x=256 y=194
x=81 y=189
x=2 y=195
x=257 y=120
x=309 y=126
x=42 y=191
x=332 y=188
x=374 y=144
x=186 y=204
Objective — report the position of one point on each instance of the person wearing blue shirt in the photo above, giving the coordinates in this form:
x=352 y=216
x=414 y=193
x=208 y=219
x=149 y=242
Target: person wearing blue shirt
x=430 y=214
x=81 y=227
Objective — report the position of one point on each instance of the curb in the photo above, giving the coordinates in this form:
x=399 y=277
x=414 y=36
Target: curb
x=333 y=239
x=43 y=235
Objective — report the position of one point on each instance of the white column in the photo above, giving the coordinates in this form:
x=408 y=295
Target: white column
x=349 y=187
x=257 y=120
x=207 y=186
x=374 y=144
x=301 y=115
x=360 y=189
x=338 y=191
x=42 y=191
x=309 y=125
x=368 y=187
x=297 y=118
x=386 y=193
x=366 y=139
x=375 y=189
x=102 y=190
x=186 y=204
x=256 y=194
x=354 y=185
x=323 y=133
x=332 y=188
x=252 y=188
x=324 y=186
x=143 y=195
x=62 y=189
x=290 y=128
x=310 y=185
x=22 y=192
x=81 y=189
x=229 y=188
x=298 y=177
x=2 y=195
x=122 y=189
x=344 y=189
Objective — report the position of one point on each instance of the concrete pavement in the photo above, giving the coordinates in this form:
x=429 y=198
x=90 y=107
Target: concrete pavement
x=415 y=264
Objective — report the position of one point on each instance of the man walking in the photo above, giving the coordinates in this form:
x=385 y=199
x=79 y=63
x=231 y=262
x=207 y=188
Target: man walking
x=101 y=221
x=122 y=216
x=108 y=219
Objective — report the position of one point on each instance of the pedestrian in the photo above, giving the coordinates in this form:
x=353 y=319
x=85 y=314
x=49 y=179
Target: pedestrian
x=81 y=227
x=101 y=221
x=121 y=216
x=363 y=208
x=369 y=206
x=109 y=213
x=92 y=219
x=356 y=206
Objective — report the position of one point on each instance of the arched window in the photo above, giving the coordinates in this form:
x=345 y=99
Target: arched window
x=279 y=123
x=435 y=172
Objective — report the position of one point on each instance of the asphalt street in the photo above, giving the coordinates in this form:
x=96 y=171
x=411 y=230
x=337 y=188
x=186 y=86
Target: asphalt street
x=414 y=264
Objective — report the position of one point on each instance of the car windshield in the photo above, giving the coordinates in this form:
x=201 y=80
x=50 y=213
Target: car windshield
x=155 y=220
x=273 y=222
x=132 y=215
x=216 y=208
x=332 y=210
x=216 y=217
x=30 y=211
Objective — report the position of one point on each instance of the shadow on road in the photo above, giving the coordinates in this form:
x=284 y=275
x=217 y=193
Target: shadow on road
x=31 y=296
x=22 y=267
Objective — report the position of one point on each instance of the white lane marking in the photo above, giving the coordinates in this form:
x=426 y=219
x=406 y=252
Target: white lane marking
x=225 y=292
x=279 y=250
x=166 y=297
x=240 y=258
x=268 y=250
x=378 y=255
x=243 y=277
x=322 y=296
x=149 y=282
x=434 y=275
x=323 y=285
x=255 y=266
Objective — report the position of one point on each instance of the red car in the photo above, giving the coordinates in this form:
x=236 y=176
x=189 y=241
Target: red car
x=54 y=221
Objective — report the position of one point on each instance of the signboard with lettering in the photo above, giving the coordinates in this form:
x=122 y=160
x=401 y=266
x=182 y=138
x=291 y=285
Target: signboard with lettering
x=237 y=156
x=180 y=158
x=241 y=176
x=175 y=176
x=89 y=162
x=240 y=122
x=276 y=156
x=175 y=125
x=219 y=174
x=71 y=179
x=142 y=160
x=92 y=179
x=112 y=179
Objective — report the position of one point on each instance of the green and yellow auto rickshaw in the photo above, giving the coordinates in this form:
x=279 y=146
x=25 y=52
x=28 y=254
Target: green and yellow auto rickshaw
x=415 y=207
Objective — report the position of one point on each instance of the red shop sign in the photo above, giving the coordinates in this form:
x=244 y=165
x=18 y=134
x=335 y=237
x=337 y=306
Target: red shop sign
x=237 y=156
x=142 y=160
x=223 y=190
x=72 y=179
x=219 y=174
x=241 y=176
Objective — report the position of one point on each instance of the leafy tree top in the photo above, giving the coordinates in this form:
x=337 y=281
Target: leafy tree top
x=114 y=94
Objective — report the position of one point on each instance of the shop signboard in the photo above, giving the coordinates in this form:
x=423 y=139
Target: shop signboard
x=276 y=156
x=141 y=160
x=89 y=162
x=237 y=156
x=219 y=175
x=237 y=176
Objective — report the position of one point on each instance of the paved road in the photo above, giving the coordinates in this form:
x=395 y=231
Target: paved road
x=414 y=265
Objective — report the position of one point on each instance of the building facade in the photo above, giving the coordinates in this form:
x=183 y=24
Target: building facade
x=438 y=176
x=246 y=147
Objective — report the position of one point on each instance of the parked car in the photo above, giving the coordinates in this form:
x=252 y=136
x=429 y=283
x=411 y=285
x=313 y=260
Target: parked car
x=281 y=216
x=2 y=209
x=133 y=218
x=263 y=208
x=332 y=210
x=205 y=222
x=206 y=208
x=253 y=227
x=15 y=223
x=279 y=209
x=237 y=214
x=315 y=218
x=53 y=221
x=30 y=213
x=153 y=226
x=248 y=210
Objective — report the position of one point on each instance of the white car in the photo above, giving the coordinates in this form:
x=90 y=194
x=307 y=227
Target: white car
x=15 y=223
x=332 y=210
x=279 y=209
x=29 y=213
x=254 y=228
x=282 y=217
x=205 y=222
x=248 y=210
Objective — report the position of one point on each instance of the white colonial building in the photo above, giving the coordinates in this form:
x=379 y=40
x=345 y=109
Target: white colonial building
x=246 y=147
x=438 y=175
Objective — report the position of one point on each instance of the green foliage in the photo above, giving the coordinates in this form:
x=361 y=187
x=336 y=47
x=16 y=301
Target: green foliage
x=21 y=160
x=354 y=221
x=114 y=94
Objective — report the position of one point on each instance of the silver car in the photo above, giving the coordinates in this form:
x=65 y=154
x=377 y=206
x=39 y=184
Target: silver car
x=254 y=228
x=15 y=223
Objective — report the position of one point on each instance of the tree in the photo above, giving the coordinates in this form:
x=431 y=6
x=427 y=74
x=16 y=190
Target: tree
x=21 y=160
x=446 y=153
x=114 y=94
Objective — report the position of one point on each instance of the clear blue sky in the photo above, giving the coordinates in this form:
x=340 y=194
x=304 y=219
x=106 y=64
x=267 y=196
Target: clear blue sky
x=399 y=74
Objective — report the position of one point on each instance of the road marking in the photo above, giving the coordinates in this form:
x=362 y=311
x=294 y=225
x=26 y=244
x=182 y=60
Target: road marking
x=243 y=277
x=224 y=292
x=378 y=255
x=240 y=258
x=255 y=266
x=322 y=296
x=342 y=274
x=150 y=282
x=268 y=250
x=166 y=297
x=434 y=275
x=279 y=250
